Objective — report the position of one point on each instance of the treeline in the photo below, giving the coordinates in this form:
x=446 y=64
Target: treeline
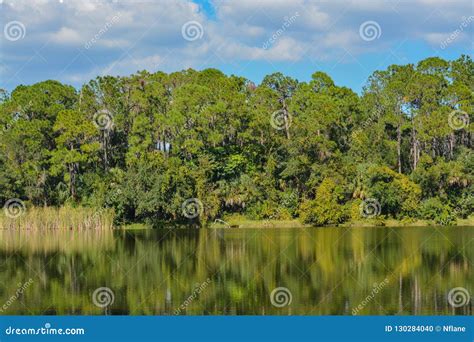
x=145 y=144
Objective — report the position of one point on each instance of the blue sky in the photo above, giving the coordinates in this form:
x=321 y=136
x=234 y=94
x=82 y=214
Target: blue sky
x=74 y=41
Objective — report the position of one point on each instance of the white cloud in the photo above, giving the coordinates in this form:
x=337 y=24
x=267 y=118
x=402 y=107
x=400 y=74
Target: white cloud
x=148 y=33
x=285 y=49
x=435 y=37
x=67 y=36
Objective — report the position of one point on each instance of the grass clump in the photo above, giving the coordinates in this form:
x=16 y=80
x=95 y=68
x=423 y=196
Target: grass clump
x=80 y=218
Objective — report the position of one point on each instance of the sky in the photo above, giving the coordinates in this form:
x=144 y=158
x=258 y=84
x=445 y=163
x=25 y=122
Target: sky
x=75 y=41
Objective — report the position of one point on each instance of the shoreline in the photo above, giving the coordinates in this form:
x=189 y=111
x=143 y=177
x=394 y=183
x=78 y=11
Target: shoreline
x=296 y=224
x=356 y=224
x=83 y=218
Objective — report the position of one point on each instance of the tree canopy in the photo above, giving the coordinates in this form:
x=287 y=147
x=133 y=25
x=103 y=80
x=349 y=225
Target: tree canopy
x=145 y=144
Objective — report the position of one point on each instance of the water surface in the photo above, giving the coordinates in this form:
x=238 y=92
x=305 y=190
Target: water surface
x=329 y=271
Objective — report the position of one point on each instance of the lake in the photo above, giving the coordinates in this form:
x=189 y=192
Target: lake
x=311 y=271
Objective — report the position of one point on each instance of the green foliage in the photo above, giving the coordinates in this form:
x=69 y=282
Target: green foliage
x=434 y=209
x=205 y=135
x=326 y=208
x=398 y=196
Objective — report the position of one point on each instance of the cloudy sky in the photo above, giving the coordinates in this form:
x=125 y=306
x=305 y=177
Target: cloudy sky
x=74 y=41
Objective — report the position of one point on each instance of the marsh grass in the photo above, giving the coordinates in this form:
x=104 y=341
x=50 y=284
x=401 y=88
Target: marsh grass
x=56 y=240
x=66 y=218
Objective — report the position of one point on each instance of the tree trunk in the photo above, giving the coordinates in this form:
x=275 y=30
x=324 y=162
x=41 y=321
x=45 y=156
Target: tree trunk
x=399 y=148
x=72 y=180
x=105 y=146
x=286 y=117
x=414 y=143
x=451 y=145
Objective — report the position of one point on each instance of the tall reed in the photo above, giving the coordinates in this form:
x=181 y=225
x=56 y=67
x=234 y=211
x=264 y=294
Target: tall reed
x=80 y=218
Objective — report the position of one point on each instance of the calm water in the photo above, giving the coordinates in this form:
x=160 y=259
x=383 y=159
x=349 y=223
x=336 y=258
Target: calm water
x=329 y=271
